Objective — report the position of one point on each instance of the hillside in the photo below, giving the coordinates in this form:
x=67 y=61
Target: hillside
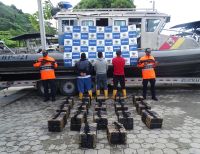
x=14 y=20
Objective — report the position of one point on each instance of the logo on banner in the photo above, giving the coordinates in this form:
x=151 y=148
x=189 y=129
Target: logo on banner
x=126 y=54
x=116 y=42
x=68 y=48
x=92 y=55
x=92 y=36
x=84 y=29
x=123 y=28
x=92 y=29
x=84 y=42
x=84 y=36
x=68 y=29
x=68 y=62
x=116 y=29
x=100 y=43
x=67 y=55
x=76 y=55
x=92 y=49
x=100 y=29
x=76 y=42
x=100 y=36
x=84 y=48
x=67 y=42
x=75 y=48
x=108 y=54
x=76 y=29
x=133 y=41
x=108 y=36
x=76 y=36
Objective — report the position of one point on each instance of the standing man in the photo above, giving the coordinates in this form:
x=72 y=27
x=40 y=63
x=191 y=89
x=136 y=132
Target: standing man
x=47 y=65
x=84 y=69
x=101 y=68
x=148 y=63
x=118 y=74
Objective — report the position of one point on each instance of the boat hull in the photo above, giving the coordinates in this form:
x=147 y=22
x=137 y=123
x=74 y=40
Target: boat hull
x=174 y=63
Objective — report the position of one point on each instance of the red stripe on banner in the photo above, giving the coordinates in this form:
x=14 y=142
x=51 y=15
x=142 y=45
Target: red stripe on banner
x=169 y=43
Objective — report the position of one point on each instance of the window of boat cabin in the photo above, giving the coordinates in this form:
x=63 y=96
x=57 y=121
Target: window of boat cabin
x=120 y=23
x=69 y=22
x=151 y=24
x=102 y=22
x=137 y=22
x=87 y=23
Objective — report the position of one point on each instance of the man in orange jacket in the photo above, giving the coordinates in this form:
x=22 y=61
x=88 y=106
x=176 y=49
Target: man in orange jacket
x=148 y=63
x=47 y=65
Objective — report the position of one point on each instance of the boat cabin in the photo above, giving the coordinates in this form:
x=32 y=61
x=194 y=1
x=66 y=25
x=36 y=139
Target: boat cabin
x=149 y=23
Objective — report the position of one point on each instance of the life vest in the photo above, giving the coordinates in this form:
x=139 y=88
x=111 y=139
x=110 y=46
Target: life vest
x=46 y=65
x=147 y=63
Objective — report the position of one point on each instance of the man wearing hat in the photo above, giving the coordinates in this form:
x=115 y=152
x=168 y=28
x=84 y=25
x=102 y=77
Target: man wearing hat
x=118 y=73
x=47 y=65
x=147 y=63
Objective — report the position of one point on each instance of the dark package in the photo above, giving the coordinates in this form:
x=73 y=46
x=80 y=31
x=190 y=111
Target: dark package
x=124 y=117
x=88 y=135
x=77 y=120
x=141 y=106
x=116 y=133
x=57 y=123
x=151 y=119
x=100 y=117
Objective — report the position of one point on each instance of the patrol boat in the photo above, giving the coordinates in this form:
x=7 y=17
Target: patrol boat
x=177 y=56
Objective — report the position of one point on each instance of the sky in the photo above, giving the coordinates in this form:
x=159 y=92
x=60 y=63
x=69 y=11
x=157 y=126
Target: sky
x=179 y=10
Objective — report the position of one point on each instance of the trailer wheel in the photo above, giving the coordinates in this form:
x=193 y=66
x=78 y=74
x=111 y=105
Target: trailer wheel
x=67 y=87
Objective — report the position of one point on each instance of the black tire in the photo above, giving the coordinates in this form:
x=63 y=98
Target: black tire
x=68 y=87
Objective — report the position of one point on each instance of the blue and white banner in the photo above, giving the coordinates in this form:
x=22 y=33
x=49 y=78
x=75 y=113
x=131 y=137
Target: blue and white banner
x=94 y=39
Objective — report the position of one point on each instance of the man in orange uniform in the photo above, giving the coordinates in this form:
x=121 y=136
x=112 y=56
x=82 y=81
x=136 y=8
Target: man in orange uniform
x=148 y=63
x=47 y=65
x=118 y=73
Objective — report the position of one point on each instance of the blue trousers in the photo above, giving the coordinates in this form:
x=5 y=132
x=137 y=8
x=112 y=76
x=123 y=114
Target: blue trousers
x=84 y=84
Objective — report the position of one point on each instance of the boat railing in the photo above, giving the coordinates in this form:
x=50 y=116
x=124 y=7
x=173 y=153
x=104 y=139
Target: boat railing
x=115 y=9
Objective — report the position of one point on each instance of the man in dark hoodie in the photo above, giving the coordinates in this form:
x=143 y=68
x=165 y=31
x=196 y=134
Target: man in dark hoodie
x=84 y=69
x=101 y=68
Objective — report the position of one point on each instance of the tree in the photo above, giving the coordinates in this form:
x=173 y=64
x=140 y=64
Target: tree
x=88 y=4
x=34 y=19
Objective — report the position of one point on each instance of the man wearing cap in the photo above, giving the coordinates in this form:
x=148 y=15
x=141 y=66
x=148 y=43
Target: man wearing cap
x=84 y=68
x=47 y=65
x=118 y=73
x=147 y=63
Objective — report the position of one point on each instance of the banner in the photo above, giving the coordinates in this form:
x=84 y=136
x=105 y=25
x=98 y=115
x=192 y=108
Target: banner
x=94 y=39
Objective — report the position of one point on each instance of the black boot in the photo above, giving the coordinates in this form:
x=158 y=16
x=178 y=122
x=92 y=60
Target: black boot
x=46 y=99
x=155 y=98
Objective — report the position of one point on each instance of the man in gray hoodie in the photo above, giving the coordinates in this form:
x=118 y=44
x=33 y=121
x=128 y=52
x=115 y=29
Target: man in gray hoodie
x=101 y=68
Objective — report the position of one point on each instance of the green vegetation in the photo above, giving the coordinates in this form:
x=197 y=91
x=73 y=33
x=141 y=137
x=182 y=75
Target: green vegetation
x=47 y=16
x=89 y=4
x=14 y=22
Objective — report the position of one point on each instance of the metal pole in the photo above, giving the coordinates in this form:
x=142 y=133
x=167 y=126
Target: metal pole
x=153 y=5
x=42 y=26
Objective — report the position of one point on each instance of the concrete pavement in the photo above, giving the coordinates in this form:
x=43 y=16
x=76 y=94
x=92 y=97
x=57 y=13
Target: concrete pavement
x=23 y=127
